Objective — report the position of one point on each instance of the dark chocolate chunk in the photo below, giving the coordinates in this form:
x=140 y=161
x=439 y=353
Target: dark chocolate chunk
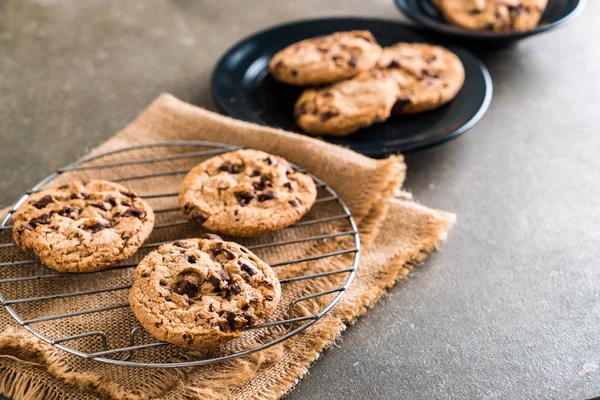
x=235 y=288
x=68 y=212
x=394 y=64
x=475 y=11
x=211 y=236
x=178 y=244
x=63 y=187
x=325 y=115
x=235 y=320
x=245 y=307
x=145 y=274
x=243 y=250
x=111 y=201
x=26 y=227
x=101 y=206
x=288 y=185
x=98 y=226
x=223 y=250
x=211 y=307
x=186 y=287
x=187 y=207
x=353 y=62
x=221 y=281
x=300 y=110
x=269 y=298
x=130 y=193
x=191 y=259
x=43 y=219
x=199 y=217
x=243 y=197
x=271 y=160
x=430 y=74
x=230 y=168
x=251 y=271
x=294 y=72
x=255 y=173
x=43 y=202
x=266 y=195
x=400 y=104
x=132 y=212
x=294 y=202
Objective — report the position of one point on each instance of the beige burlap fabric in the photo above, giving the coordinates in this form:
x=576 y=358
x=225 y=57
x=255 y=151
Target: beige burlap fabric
x=396 y=233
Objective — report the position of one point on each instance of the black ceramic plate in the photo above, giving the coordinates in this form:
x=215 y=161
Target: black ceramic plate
x=243 y=88
x=422 y=12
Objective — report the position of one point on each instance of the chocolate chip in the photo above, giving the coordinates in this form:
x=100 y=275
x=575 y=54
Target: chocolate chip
x=266 y=195
x=187 y=207
x=221 y=281
x=245 y=306
x=43 y=202
x=235 y=288
x=248 y=318
x=269 y=298
x=243 y=250
x=251 y=271
x=328 y=114
x=157 y=324
x=271 y=160
x=243 y=197
x=130 y=193
x=294 y=72
x=68 y=212
x=353 y=62
x=294 y=202
x=223 y=250
x=300 y=110
x=98 y=226
x=400 y=104
x=75 y=196
x=475 y=11
x=265 y=182
x=288 y=185
x=168 y=298
x=25 y=226
x=191 y=259
x=430 y=74
x=186 y=287
x=111 y=201
x=235 y=320
x=218 y=325
x=178 y=244
x=255 y=173
x=394 y=64
x=102 y=207
x=132 y=212
x=63 y=187
x=43 y=219
x=211 y=236
x=230 y=168
x=199 y=217
x=145 y=274
x=211 y=307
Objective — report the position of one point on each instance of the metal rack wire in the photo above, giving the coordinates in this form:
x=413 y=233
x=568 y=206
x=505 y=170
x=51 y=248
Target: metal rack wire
x=124 y=342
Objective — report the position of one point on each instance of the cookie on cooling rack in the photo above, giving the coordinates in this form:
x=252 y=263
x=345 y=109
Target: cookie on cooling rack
x=83 y=226
x=428 y=76
x=326 y=59
x=246 y=193
x=200 y=293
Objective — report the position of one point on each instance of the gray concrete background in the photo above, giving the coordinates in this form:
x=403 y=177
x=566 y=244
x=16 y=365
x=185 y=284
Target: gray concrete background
x=510 y=308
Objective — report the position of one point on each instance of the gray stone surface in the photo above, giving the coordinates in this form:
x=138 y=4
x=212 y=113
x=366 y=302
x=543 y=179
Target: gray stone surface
x=510 y=307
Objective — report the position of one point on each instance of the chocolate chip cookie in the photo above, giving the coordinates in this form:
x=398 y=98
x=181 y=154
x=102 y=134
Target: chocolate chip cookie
x=83 y=226
x=200 y=293
x=493 y=15
x=326 y=59
x=345 y=107
x=246 y=193
x=428 y=76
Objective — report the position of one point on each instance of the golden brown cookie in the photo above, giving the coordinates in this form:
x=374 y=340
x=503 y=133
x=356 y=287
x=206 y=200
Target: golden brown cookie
x=326 y=59
x=493 y=15
x=83 y=226
x=428 y=76
x=345 y=107
x=246 y=193
x=200 y=293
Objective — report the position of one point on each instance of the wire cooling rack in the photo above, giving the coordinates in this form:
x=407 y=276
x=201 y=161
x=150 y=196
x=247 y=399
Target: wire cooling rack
x=324 y=245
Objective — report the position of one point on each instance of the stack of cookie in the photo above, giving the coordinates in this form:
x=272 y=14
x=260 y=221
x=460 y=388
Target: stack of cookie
x=198 y=292
x=493 y=15
x=361 y=84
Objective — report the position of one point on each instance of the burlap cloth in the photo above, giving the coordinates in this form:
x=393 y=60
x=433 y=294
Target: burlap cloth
x=396 y=234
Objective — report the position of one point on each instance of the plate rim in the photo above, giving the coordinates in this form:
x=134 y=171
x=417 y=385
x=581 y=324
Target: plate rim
x=431 y=24
x=224 y=107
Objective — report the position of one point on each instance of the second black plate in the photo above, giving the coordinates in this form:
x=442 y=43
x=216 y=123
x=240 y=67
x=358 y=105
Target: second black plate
x=243 y=88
